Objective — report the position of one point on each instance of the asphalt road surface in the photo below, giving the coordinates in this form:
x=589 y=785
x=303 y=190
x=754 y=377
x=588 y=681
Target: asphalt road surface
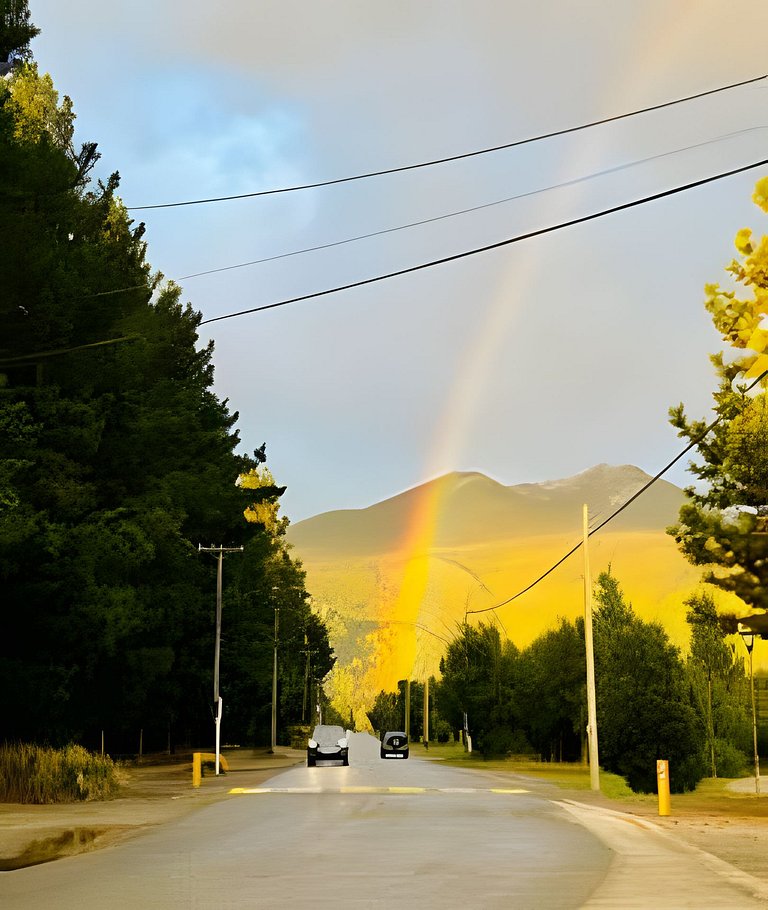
x=381 y=834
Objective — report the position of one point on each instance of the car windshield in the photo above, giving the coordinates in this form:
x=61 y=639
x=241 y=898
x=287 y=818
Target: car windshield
x=327 y=735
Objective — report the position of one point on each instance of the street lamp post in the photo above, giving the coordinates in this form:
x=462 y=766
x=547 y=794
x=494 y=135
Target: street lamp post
x=748 y=637
x=274 y=686
x=217 y=700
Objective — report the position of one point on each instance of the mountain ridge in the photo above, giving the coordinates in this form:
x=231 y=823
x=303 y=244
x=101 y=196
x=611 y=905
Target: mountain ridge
x=461 y=507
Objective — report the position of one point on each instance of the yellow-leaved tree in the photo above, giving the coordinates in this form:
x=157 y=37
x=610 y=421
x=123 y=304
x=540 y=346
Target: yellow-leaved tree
x=723 y=524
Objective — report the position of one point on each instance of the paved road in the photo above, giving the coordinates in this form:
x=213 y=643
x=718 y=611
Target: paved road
x=371 y=835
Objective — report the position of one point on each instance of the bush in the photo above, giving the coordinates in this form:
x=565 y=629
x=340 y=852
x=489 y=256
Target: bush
x=730 y=761
x=505 y=741
x=37 y=774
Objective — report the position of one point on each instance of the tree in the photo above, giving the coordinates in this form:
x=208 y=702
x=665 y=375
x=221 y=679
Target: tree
x=16 y=30
x=386 y=713
x=643 y=709
x=477 y=679
x=719 y=686
x=724 y=524
x=116 y=459
x=551 y=692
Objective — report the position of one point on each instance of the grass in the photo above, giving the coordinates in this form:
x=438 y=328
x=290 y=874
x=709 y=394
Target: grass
x=38 y=774
x=711 y=796
x=566 y=775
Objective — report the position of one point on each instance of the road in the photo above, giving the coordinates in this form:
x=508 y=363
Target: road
x=381 y=833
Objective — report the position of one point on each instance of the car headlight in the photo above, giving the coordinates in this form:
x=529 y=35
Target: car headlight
x=342 y=743
x=312 y=744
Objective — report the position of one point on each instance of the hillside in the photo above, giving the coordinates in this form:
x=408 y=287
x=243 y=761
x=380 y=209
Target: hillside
x=471 y=508
x=393 y=580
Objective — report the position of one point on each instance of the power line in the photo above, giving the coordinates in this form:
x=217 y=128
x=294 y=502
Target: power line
x=447 y=159
x=475 y=208
x=492 y=246
x=650 y=483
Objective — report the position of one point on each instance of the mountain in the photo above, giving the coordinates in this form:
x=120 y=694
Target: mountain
x=473 y=508
x=393 y=580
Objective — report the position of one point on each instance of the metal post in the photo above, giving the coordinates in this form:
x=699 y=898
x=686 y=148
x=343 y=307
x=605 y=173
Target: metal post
x=754 y=723
x=426 y=713
x=594 y=761
x=274 y=685
x=748 y=637
x=217 y=702
x=217 y=645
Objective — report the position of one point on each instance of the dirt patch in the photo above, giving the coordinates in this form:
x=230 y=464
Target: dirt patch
x=64 y=843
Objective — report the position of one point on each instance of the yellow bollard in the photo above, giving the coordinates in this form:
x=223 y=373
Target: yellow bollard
x=197 y=769
x=662 y=785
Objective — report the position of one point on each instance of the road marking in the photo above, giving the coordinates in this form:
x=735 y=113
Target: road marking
x=248 y=791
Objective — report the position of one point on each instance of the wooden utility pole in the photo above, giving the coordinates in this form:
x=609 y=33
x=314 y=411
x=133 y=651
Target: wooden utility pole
x=408 y=709
x=594 y=761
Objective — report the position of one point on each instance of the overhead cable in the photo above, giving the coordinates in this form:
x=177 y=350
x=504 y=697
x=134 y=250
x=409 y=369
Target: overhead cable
x=450 y=158
x=492 y=246
x=475 y=208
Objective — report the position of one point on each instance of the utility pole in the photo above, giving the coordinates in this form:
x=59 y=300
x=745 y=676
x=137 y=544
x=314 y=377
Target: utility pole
x=426 y=713
x=307 y=669
x=274 y=686
x=594 y=761
x=408 y=709
x=217 y=701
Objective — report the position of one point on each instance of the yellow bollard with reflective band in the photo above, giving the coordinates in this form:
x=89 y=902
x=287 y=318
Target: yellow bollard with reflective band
x=662 y=785
x=197 y=769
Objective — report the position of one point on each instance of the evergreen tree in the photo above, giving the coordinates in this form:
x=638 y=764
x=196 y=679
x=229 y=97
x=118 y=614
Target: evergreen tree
x=720 y=689
x=724 y=524
x=116 y=459
x=643 y=707
x=16 y=30
x=478 y=679
x=551 y=692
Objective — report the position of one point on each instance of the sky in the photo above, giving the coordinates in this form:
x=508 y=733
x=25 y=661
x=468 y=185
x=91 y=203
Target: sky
x=528 y=363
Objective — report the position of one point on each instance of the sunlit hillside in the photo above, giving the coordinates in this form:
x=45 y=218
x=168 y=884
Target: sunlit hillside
x=393 y=580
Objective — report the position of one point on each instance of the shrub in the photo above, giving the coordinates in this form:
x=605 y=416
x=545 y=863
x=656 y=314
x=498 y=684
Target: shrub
x=504 y=741
x=37 y=774
x=731 y=762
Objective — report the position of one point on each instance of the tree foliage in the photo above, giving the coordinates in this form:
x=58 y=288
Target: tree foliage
x=116 y=459
x=16 y=29
x=552 y=692
x=644 y=711
x=724 y=524
x=719 y=687
x=478 y=679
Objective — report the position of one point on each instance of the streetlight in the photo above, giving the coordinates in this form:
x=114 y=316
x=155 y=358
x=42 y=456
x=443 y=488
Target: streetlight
x=273 y=739
x=217 y=700
x=748 y=637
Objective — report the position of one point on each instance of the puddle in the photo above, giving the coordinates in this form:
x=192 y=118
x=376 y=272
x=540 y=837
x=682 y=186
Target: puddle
x=68 y=843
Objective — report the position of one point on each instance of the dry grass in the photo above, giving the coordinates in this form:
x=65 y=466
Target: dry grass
x=37 y=774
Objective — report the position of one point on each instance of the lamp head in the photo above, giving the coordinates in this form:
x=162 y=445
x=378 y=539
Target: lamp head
x=748 y=635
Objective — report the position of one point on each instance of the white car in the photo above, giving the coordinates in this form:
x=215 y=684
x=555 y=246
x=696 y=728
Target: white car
x=328 y=743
